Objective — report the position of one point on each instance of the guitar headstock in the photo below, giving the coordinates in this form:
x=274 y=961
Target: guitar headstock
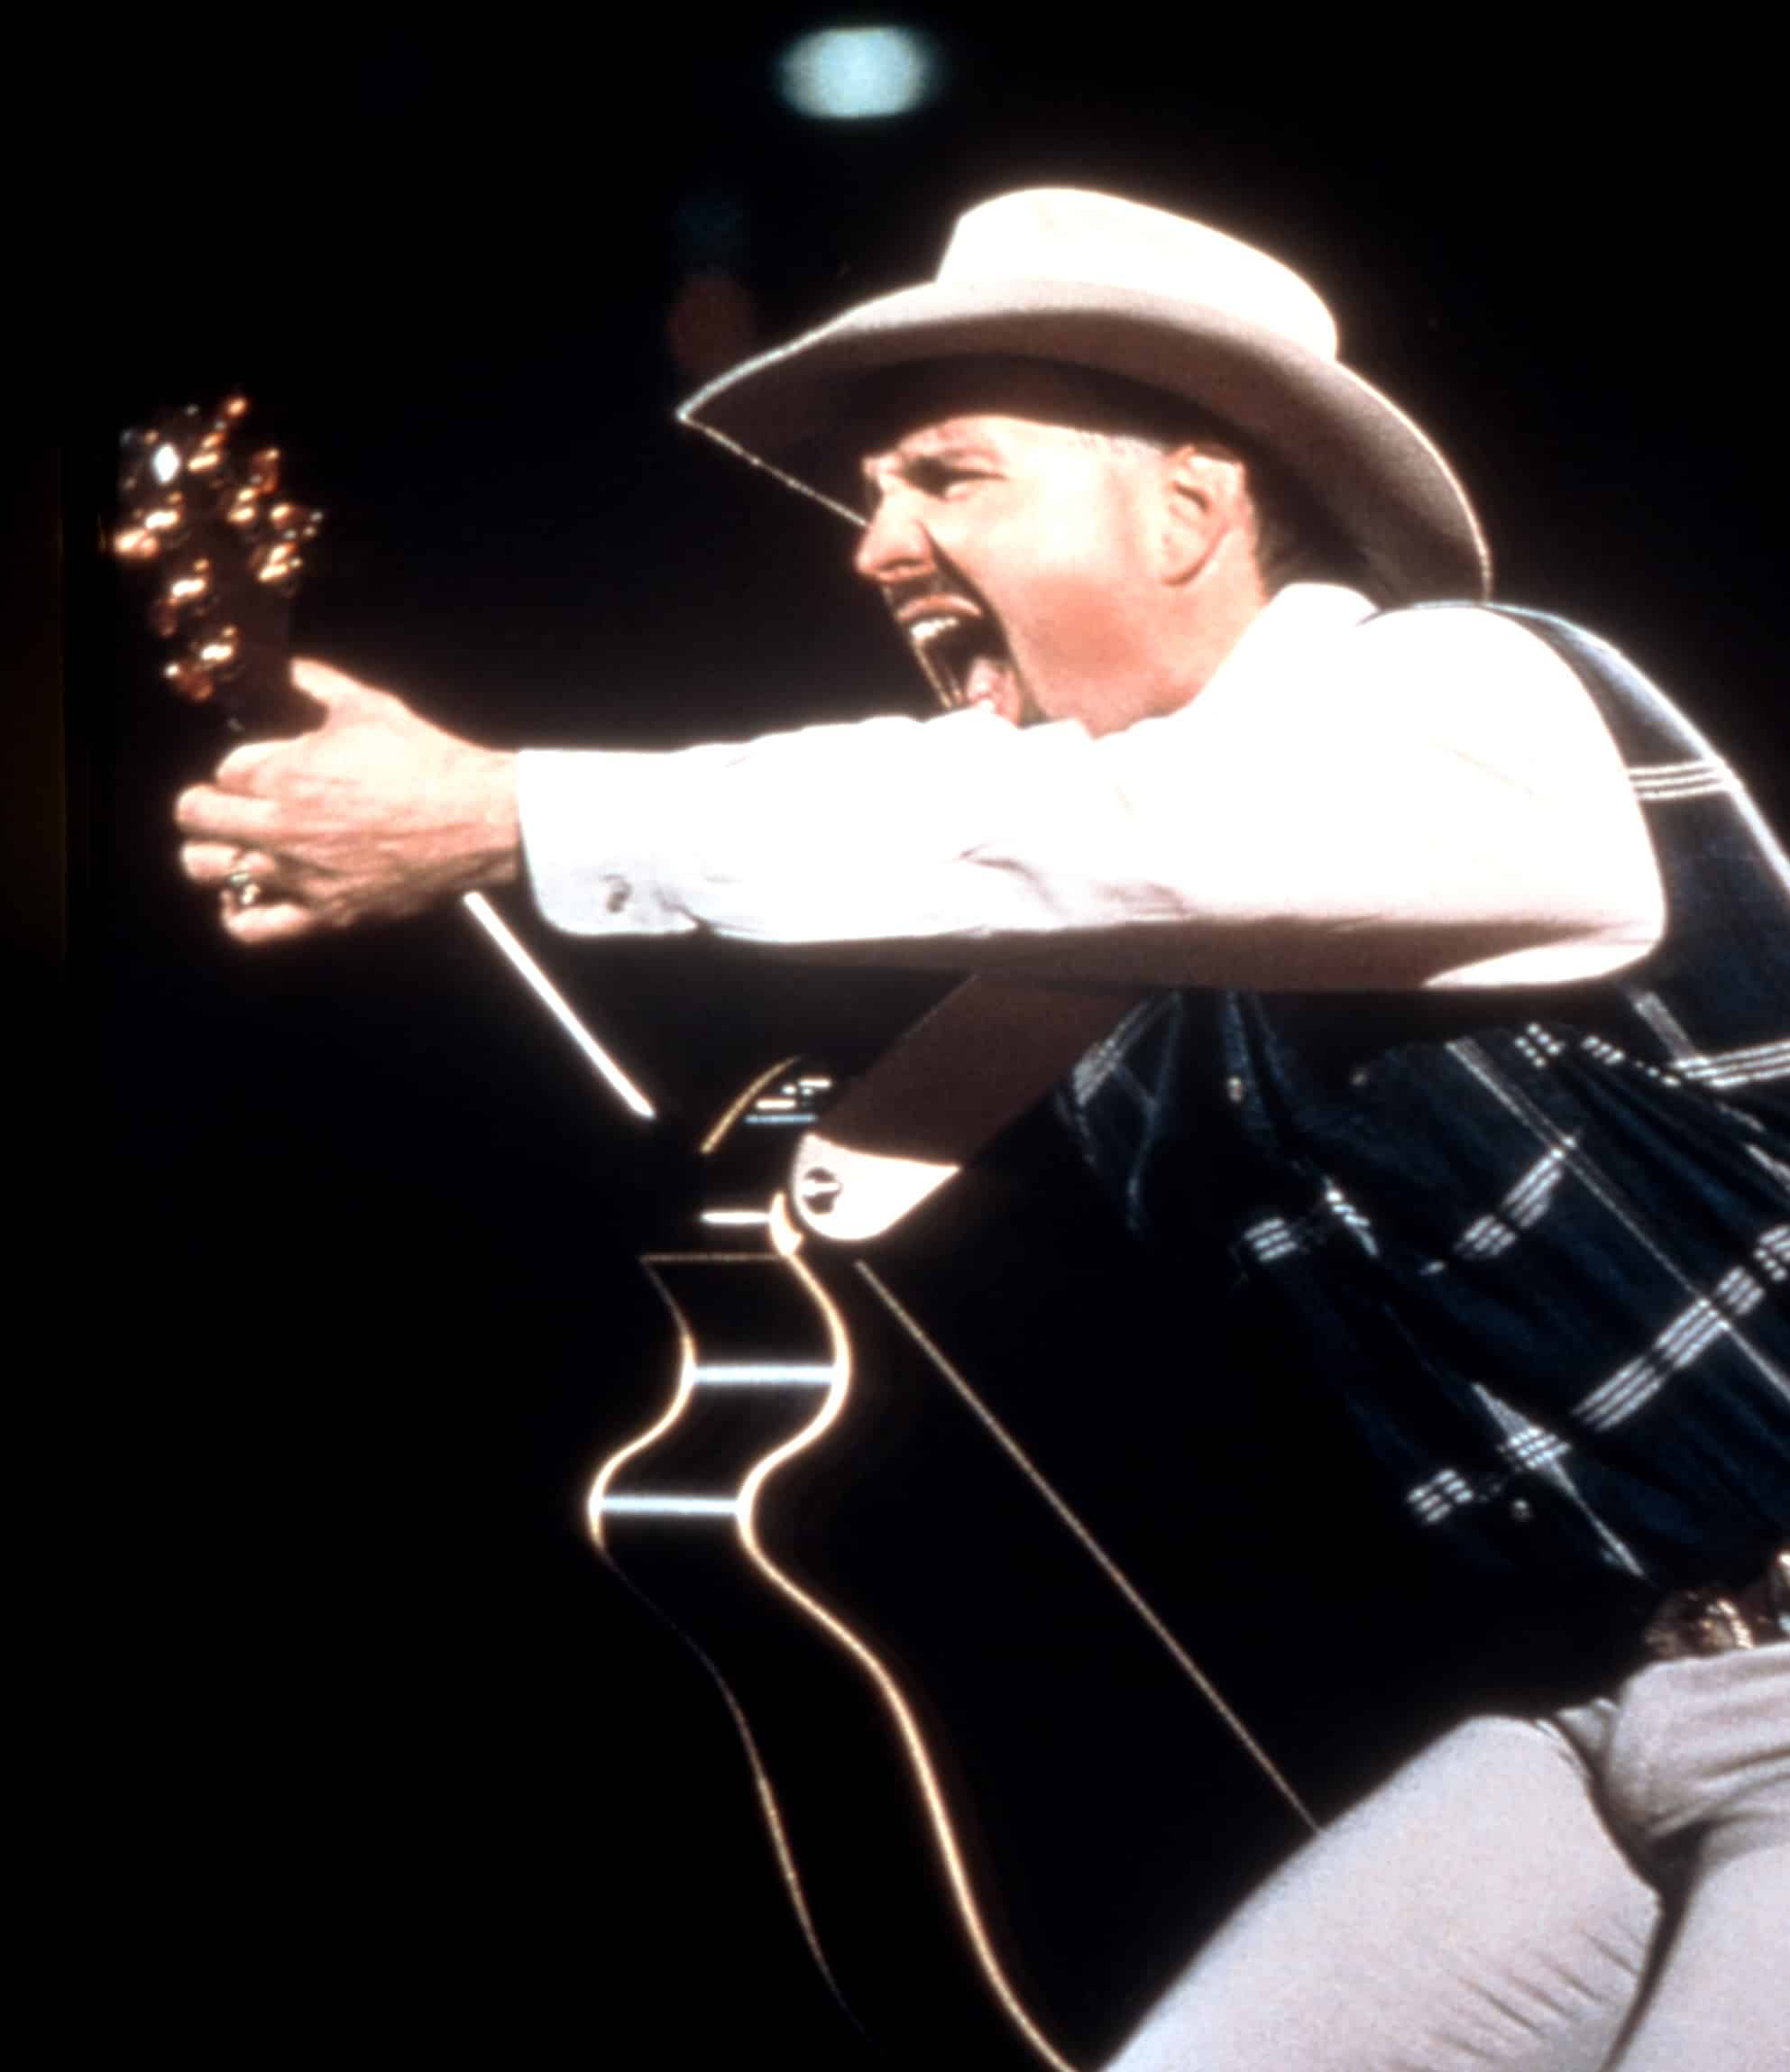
x=206 y=517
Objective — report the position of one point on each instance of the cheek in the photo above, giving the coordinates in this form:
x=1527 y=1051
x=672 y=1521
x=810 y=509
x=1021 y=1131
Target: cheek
x=1058 y=587
x=1083 y=577
x=1084 y=620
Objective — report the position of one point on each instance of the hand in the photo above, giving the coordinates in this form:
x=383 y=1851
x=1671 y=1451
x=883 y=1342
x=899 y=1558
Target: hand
x=375 y=815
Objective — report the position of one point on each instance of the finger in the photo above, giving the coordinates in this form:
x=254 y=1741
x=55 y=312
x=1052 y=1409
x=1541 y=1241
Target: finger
x=217 y=863
x=239 y=769
x=332 y=688
x=256 y=926
x=211 y=815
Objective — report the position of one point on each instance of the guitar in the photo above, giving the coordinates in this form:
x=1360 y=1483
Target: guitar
x=905 y=1620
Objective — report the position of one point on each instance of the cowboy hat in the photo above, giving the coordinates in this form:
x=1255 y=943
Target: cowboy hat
x=1090 y=282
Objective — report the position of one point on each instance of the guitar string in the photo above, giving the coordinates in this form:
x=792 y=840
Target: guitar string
x=1108 y=1567
x=544 y=989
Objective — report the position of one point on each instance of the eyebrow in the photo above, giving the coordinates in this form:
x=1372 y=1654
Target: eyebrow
x=965 y=448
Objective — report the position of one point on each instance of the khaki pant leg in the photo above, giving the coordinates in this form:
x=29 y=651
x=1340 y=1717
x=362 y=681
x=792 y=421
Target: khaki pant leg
x=1474 y=1913
x=1693 y=1766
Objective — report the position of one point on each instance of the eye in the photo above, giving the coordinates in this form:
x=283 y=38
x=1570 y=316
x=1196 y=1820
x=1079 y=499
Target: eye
x=945 y=478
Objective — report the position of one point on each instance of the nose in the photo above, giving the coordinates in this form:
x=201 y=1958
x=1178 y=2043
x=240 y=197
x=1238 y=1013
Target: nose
x=894 y=547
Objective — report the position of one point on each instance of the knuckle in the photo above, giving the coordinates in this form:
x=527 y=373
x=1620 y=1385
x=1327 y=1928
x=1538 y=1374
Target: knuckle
x=242 y=763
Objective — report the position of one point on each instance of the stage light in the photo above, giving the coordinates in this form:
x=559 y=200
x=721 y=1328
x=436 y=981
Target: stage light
x=846 y=75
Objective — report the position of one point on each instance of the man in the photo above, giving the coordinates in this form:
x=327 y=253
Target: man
x=1468 y=1038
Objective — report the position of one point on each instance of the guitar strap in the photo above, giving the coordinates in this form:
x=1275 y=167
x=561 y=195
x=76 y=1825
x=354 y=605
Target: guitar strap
x=983 y=1056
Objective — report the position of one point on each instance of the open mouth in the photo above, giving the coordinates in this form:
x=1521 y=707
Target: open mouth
x=964 y=659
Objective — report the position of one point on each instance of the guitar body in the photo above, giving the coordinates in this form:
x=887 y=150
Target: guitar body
x=1005 y=1813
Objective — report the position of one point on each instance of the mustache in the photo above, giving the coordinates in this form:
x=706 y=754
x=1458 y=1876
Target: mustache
x=944 y=579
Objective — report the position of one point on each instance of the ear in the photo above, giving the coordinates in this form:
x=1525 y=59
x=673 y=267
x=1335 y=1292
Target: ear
x=1205 y=501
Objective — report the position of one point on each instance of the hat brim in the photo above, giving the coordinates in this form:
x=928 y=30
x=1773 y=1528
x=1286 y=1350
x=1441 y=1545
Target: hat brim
x=1368 y=466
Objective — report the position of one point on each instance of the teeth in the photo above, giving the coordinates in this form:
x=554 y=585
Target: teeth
x=925 y=630
x=945 y=643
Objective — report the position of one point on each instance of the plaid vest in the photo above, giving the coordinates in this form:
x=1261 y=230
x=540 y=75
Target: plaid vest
x=1537 y=1238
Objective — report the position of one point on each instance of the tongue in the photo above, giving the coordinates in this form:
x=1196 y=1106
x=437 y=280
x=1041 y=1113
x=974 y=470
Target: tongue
x=990 y=686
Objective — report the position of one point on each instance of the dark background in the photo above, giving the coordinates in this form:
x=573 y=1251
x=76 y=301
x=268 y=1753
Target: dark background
x=374 y=1745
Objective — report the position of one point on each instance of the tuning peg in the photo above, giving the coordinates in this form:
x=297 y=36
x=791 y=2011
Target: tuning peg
x=167 y=520
x=293 y=522
x=220 y=653
x=277 y=564
x=263 y=469
x=136 y=544
x=242 y=513
x=190 y=586
x=188 y=679
x=208 y=457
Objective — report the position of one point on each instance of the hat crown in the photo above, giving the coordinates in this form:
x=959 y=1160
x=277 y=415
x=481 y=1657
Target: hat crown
x=1068 y=234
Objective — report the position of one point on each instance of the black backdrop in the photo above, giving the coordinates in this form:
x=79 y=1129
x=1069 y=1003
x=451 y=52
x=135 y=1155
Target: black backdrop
x=377 y=1749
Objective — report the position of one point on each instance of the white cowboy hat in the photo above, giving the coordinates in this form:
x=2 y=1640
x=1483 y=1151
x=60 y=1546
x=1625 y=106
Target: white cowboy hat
x=1088 y=281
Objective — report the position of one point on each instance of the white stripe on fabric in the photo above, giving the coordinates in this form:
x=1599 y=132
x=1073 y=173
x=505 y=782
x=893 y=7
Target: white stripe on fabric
x=1687 y=765
x=1635 y=1384
x=1586 y=1171
x=1688 y=1336
x=1700 y=778
x=1095 y=1065
x=1540 y=1046
x=1519 y=1210
x=1533 y=1448
x=1661 y=1020
x=1662 y=712
x=1744 y=1068
x=1448 y=1490
x=1672 y=792
x=1607 y=1053
x=1352 y=1219
x=1274 y=1237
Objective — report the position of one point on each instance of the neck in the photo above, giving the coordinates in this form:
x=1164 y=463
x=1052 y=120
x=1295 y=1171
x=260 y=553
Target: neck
x=1214 y=609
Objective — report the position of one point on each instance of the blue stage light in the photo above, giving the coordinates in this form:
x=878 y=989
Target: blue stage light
x=846 y=75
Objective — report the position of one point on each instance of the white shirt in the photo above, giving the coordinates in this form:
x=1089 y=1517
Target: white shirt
x=1407 y=800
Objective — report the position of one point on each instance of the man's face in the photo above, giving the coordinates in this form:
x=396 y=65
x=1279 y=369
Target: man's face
x=1017 y=554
